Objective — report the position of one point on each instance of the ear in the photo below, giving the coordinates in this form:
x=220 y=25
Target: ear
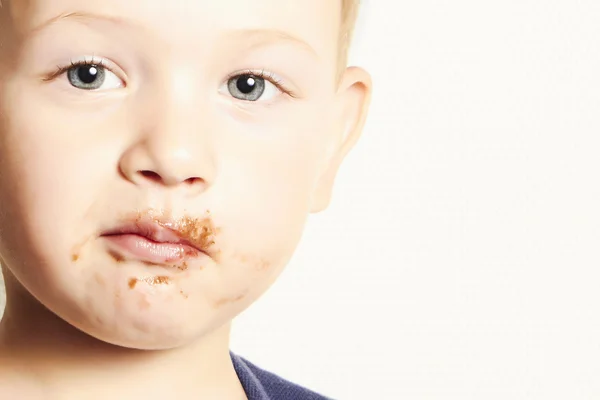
x=353 y=99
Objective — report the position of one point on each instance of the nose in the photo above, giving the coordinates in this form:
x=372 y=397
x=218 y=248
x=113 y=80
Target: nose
x=171 y=149
x=167 y=165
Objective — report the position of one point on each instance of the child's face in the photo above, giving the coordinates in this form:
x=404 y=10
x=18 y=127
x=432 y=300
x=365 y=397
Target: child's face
x=172 y=126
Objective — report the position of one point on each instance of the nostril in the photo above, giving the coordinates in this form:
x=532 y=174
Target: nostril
x=153 y=176
x=193 y=181
x=158 y=178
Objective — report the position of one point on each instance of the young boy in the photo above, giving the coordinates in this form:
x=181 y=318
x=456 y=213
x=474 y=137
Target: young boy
x=158 y=160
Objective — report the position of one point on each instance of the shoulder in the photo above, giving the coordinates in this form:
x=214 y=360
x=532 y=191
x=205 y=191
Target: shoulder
x=260 y=384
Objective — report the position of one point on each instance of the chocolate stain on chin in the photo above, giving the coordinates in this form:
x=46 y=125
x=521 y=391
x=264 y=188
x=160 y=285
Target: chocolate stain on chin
x=183 y=266
x=117 y=257
x=153 y=281
x=78 y=249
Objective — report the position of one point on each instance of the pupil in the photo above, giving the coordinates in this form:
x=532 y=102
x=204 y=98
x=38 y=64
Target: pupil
x=246 y=84
x=88 y=74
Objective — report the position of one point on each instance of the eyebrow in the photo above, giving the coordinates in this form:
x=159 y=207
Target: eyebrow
x=253 y=38
x=80 y=16
x=264 y=37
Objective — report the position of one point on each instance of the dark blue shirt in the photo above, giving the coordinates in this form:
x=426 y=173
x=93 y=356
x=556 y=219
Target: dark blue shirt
x=263 y=385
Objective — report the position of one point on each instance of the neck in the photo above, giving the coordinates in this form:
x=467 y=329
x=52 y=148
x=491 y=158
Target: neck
x=59 y=358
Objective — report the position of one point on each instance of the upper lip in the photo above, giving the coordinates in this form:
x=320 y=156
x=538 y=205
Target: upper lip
x=153 y=231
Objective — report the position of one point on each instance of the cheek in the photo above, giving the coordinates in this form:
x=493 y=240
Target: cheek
x=47 y=183
x=262 y=215
x=53 y=161
x=40 y=176
x=268 y=179
x=263 y=197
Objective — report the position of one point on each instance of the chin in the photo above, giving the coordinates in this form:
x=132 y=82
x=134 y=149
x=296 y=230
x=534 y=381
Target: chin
x=146 y=344
x=150 y=332
x=136 y=340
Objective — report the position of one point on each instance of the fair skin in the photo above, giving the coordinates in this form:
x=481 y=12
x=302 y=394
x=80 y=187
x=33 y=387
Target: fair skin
x=169 y=131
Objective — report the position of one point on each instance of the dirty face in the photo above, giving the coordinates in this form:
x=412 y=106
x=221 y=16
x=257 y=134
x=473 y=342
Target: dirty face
x=158 y=160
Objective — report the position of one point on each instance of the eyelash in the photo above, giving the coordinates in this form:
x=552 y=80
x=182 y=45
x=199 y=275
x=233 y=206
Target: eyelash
x=263 y=74
x=62 y=69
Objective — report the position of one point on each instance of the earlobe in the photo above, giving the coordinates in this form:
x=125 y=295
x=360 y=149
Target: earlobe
x=354 y=96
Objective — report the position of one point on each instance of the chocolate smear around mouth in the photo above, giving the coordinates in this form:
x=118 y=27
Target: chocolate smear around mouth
x=200 y=232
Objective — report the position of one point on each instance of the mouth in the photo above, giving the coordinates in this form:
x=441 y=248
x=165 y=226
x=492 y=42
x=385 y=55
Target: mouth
x=156 y=242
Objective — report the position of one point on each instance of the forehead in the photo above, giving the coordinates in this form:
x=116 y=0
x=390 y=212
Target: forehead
x=192 y=22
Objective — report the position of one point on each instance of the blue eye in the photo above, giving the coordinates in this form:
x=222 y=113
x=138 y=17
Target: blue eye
x=252 y=87
x=86 y=76
x=92 y=77
x=246 y=87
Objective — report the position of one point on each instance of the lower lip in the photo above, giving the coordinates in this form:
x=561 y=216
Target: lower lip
x=144 y=249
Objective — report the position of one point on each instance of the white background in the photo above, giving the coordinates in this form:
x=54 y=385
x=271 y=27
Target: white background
x=459 y=257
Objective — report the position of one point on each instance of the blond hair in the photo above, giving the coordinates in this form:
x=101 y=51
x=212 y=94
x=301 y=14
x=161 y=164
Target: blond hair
x=348 y=21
